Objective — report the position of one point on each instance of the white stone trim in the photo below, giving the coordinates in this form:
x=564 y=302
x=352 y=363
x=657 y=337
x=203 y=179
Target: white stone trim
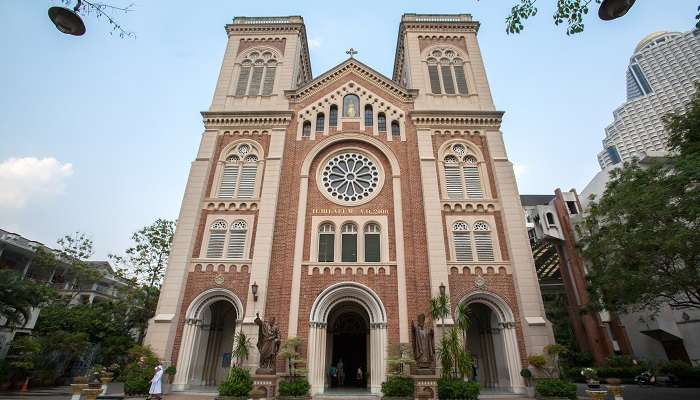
x=360 y=221
x=471 y=219
x=229 y=218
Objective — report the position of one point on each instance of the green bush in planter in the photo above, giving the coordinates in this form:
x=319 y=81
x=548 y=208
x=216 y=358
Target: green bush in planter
x=457 y=389
x=239 y=383
x=295 y=387
x=398 y=386
x=555 y=388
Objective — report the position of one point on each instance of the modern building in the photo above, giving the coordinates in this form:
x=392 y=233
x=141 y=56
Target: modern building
x=18 y=253
x=339 y=205
x=660 y=79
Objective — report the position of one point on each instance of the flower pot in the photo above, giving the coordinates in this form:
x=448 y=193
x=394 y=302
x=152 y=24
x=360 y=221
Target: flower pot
x=106 y=379
x=76 y=388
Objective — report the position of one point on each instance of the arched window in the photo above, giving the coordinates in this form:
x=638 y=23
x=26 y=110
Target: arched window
x=550 y=219
x=333 y=116
x=239 y=173
x=217 y=237
x=351 y=106
x=483 y=241
x=462 y=242
x=257 y=74
x=462 y=175
x=395 y=128
x=369 y=115
x=326 y=242
x=306 y=129
x=446 y=72
x=381 y=122
x=236 y=239
x=348 y=242
x=320 y=122
x=372 y=242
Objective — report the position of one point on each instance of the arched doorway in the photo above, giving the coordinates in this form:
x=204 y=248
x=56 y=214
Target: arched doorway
x=207 y=339
x=339 y=317
x=347 y=346
x=492 y=342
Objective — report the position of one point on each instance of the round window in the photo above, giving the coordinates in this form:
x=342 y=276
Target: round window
x=350 y=178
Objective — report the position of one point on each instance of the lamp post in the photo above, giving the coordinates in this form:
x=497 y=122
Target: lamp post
x=442 y=289
x=254 y=290
x=66 y=20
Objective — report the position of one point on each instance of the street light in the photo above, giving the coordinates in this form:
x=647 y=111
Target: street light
x=611 y=9
x=254 y=290
x=442 y=289
x=66 y=20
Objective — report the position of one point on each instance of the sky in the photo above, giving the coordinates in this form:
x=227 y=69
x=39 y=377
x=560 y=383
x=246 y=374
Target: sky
x=97 y=133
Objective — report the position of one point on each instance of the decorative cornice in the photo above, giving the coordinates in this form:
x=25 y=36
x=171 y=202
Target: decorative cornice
x=484 y=206
x=445 y=119
x=260 y=119
x=439 y=23
x=344 y=68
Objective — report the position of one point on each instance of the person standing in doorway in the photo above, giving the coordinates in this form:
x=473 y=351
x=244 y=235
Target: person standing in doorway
x=333 y=372
x=341 y=372
x=156 y=389
x=359 y=375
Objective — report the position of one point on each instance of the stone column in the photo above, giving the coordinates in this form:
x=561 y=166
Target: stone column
x=510 y=341
x=378 y=362
x=185 y=356
x=317 y=356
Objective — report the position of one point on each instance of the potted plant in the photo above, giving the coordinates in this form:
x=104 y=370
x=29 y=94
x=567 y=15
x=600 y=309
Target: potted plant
x=527 y=377
x=236 y=386
x=555 y=389
x=296 y=386
x=170 y=372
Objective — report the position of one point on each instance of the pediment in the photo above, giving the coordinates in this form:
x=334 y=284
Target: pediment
x=362 y=74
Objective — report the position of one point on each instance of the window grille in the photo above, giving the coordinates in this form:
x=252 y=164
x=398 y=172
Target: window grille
x=381 y=122
x=372 y=243
x=326 y=243
x=217 y=236
x=236 y=241
x=349 y=243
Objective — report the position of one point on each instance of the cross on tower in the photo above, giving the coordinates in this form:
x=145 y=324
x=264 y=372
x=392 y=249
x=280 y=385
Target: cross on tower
x=351 y=52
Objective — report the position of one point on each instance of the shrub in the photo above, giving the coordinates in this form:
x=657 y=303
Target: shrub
x=685 y=374
x=238 y=383
x=398 y=386
x=137 y=374
x=555 y=388
x=537 y=361
x=527 y=375
x=295 y=387
x=457 y=389
x=620 y=372
x=619 y=361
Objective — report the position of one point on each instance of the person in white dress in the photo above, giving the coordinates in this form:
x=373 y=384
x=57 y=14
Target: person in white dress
x=156 y=390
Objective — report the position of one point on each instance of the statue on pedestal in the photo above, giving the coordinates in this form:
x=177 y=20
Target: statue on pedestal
x=423 y=344
x=268 y=344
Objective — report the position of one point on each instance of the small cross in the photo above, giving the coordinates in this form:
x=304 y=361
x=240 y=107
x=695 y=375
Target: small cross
x=352 y=52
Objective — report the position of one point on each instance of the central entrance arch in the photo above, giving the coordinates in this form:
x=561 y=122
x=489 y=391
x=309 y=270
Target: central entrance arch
x=347 y=313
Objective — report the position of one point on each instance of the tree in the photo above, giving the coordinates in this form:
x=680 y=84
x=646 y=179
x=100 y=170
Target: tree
x=18 y=296
x=144 y=265
x=440 y=308
x=241 y=348
x=103 y=11
x=642 y=238
x=571 y=13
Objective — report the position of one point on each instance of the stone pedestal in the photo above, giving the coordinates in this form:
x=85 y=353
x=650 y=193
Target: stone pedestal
x=265 y=386
x=76 y=389
x=597 y=394
x=90 y=394
x=112 y=390
x=426 y=386
x=616 y=391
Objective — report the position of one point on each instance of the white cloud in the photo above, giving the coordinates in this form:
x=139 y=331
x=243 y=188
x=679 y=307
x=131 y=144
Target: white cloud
x=314 y=43
x=26 y=179
x=520 y=169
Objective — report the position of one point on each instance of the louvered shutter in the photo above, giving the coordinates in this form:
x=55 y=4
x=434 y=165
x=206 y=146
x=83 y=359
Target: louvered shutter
x=269 y=82
x=215 y=247
x=255 y=81
x=246 y=186
x=447 y=79
x=434 y=79
x=461 y=79
x=453 y=182
x=472 y=181
x=372 y=252
x=484 y=246
x=228 y=181
x=242 y=84
x=463 y=247
x=236 y=244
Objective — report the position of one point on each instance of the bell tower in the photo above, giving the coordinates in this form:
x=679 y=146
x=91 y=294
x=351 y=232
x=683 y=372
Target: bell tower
x=264 y=57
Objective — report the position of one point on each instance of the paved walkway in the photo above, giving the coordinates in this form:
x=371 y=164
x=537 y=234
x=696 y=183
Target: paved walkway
x=635 y=392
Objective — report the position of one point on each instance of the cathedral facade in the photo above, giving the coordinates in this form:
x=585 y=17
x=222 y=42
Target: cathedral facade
x=335 y=207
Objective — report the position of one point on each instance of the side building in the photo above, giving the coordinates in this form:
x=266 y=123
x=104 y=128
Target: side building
x=18 y=253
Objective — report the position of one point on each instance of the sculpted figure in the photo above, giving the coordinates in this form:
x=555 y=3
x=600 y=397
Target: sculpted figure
x=268 y=342
x=423 y=349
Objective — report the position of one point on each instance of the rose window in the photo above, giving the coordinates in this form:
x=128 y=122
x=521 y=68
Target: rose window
x=350 y=177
